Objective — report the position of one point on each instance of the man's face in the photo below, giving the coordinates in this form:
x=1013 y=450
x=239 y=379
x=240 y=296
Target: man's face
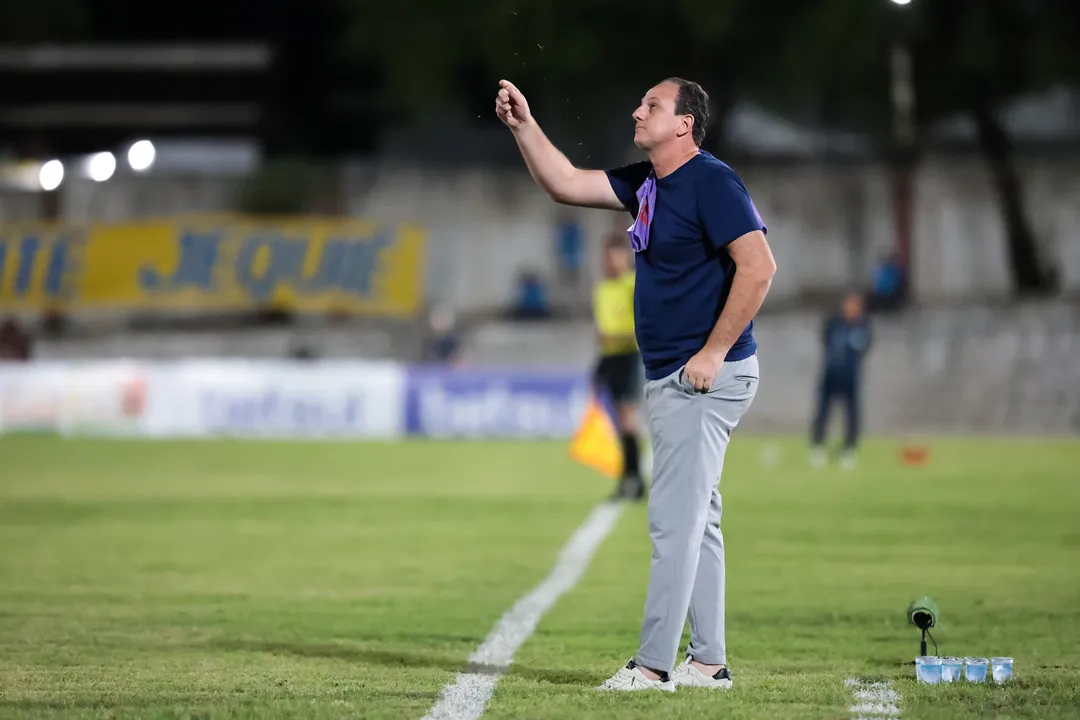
x=441 y=320
x=852 y=306
x=655 y=121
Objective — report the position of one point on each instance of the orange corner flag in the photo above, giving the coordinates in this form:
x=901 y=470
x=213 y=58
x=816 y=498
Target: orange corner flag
x=596 y=441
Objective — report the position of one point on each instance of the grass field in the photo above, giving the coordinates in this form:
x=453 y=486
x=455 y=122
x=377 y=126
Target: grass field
x=247 y=580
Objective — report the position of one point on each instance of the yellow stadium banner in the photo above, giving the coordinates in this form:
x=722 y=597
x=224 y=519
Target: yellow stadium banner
x=306 y=265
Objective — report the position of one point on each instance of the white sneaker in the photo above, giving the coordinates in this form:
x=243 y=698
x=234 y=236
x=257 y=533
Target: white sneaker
x=631 y=678
x=847 y=460
x=818 y=457
x=686 y=675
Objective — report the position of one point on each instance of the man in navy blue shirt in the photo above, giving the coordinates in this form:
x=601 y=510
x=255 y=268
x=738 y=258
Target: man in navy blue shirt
x=846 y=339
x=703 y=267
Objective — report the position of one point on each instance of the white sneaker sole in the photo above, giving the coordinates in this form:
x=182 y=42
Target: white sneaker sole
x=718 y=685
x=664 y=687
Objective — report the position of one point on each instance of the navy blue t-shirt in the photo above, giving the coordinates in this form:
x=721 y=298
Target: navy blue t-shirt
x=684 y=274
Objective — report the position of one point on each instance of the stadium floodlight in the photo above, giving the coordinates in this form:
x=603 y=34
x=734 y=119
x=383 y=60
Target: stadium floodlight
x=51 y=175
x=102 y=165
x=901 y=2
x=141 y=155
x=923 y=614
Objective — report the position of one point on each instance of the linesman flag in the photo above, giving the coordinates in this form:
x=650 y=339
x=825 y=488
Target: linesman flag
x=596 y=441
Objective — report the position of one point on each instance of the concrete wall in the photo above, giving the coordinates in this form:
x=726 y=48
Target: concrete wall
x=983 y=369
x=960 y=251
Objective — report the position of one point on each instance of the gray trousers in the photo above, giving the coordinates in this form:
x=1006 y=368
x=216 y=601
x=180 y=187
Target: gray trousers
x=689 y=432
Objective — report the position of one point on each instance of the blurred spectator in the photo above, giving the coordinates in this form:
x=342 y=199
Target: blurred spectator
x=15 y=344
x=532 y=300
x=443 y=342
x=569 y=249
x=847 y=339
x=887 y=292
x=304 y=352
x=54 y=323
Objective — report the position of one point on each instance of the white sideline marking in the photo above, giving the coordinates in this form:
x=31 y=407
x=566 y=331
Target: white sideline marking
x=469 y=695
x=874 y=701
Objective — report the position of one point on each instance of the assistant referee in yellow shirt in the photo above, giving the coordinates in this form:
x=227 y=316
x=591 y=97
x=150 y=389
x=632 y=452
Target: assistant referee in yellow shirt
x=620 y=369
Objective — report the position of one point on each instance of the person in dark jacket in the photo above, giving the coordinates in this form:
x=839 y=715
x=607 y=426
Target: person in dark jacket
x=846 y=338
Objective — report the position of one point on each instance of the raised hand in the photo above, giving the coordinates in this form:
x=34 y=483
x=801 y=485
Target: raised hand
x=511 y=106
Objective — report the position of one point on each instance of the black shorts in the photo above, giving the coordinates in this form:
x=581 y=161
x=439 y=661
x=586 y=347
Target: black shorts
x=622 y=375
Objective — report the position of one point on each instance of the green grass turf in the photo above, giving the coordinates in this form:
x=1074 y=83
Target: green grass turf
x=228 y=580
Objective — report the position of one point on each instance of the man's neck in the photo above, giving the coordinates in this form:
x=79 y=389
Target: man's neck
x=669 y=158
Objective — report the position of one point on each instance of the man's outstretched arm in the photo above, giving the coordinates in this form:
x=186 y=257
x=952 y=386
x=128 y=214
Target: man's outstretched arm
x=549 y=167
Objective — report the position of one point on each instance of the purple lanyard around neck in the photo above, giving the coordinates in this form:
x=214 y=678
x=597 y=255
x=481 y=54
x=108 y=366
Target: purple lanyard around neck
x=646 y=197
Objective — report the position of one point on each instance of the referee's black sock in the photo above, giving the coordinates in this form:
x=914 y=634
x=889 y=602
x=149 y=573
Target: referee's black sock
x=631 y=455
